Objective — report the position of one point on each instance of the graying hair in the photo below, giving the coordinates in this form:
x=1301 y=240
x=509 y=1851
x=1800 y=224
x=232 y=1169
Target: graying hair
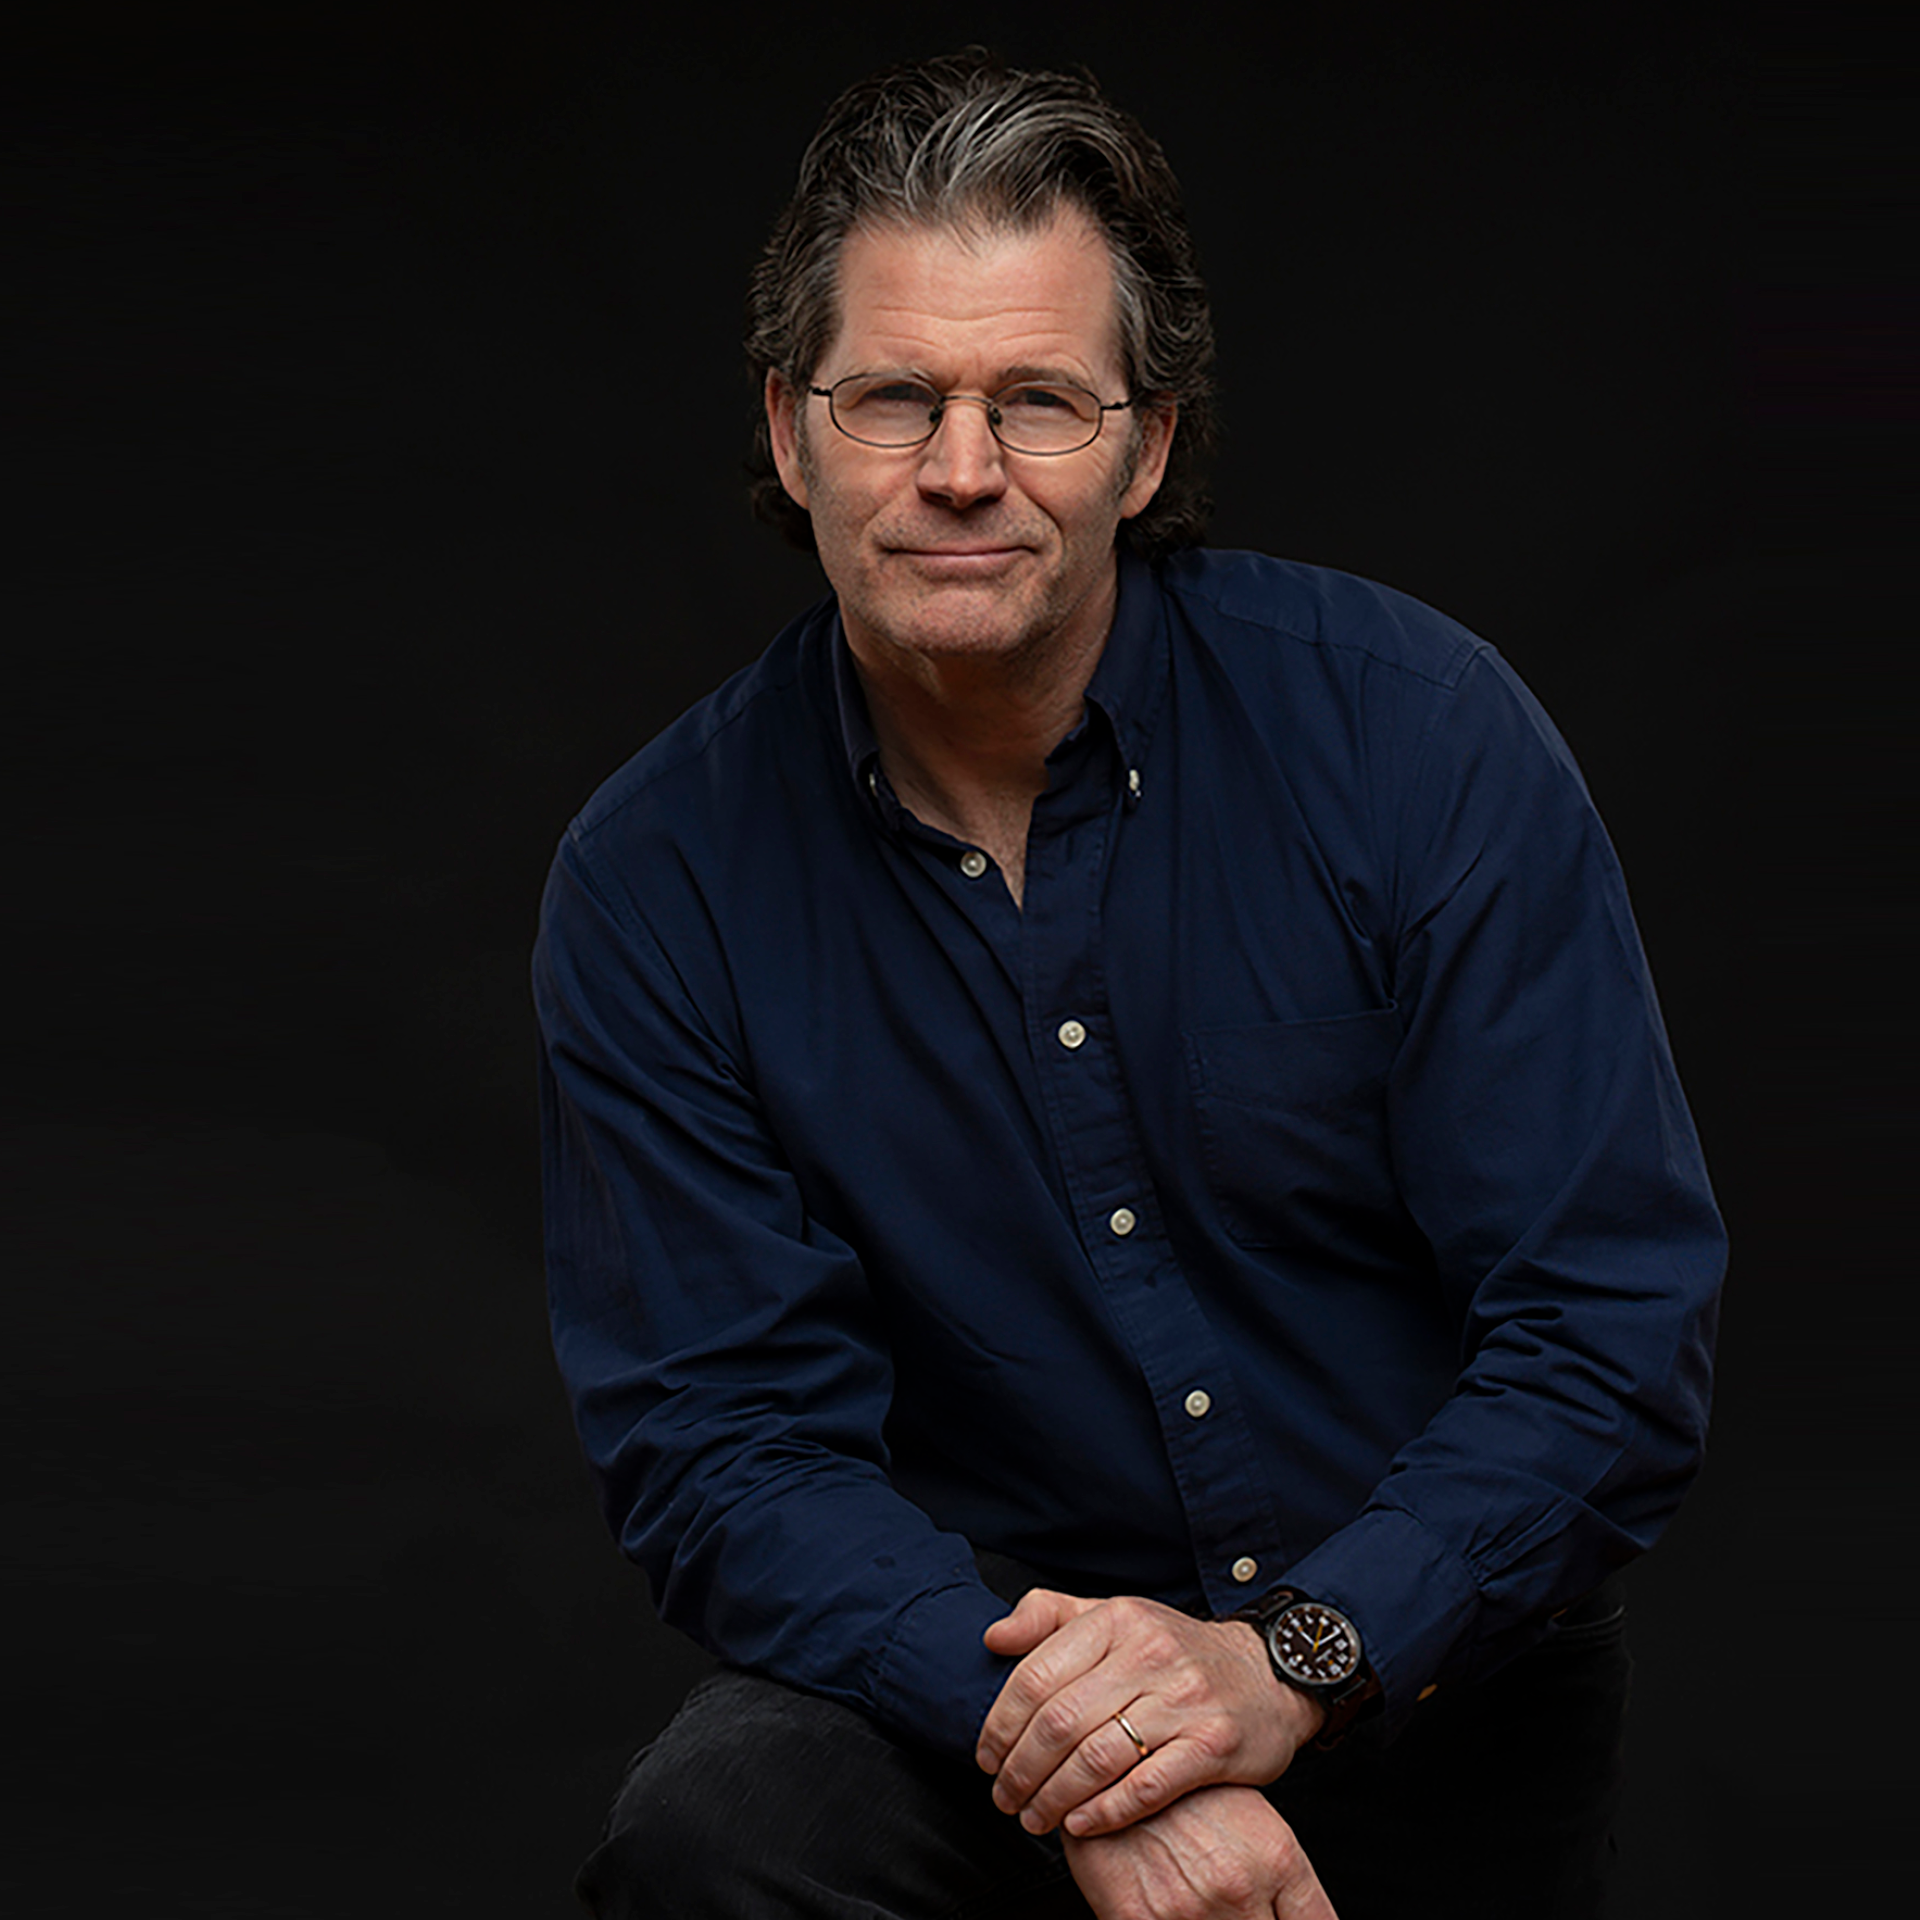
x=964 y=141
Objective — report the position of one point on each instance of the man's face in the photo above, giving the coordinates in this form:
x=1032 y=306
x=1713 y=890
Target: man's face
x=958 y=547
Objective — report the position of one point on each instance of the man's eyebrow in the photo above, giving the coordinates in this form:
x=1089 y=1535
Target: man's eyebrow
x=1024 y=372
x=1041 y=376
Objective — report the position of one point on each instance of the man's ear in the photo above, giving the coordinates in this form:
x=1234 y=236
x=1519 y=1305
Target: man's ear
x=1158 y=424
x=783 y=429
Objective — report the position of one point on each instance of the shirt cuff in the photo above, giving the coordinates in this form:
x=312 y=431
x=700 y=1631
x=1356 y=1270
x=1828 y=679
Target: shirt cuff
x=937 y=1681
x=1412 y=1597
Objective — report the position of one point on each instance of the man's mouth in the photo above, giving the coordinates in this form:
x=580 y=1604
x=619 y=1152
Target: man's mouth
x=974 y=556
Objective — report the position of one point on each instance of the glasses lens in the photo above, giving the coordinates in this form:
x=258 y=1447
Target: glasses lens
x=1032 y=416
x=1045 y=418
x=884 y=410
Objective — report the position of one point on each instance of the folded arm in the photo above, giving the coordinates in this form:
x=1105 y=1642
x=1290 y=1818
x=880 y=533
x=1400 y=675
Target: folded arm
x=1539 y=1140
x=728 y=1372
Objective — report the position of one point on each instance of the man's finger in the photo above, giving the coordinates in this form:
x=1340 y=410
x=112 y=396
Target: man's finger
x=1067 y=1691
x=1302 y=1897
x=1175 y=1770
x=1061 y=1658
x=1082 y=1771
x=1039 y=1613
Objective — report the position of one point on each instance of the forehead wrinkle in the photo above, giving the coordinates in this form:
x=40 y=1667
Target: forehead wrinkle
x=933 y=303
x=1035 y=352
x=909 y=315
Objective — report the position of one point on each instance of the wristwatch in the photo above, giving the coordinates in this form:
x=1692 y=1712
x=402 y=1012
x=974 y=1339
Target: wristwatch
x=1316 y=1649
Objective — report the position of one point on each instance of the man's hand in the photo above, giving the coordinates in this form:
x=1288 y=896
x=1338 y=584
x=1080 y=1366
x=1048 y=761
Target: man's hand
x=1200 y=1694
x=1219 y=1854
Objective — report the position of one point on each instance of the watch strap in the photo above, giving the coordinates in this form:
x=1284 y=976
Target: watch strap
x=1358 y=1703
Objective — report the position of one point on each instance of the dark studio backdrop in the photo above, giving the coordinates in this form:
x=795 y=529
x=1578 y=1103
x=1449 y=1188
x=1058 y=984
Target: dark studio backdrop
x=383 y=423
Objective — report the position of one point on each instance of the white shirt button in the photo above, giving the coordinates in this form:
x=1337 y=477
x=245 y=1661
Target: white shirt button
x=1122 y=1221
x=1070 y=1034
x=1244 y=1569
x=973 y=863
x=1199 y=1403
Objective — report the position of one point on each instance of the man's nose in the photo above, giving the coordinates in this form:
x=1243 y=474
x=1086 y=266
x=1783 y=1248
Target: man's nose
x=963 y=462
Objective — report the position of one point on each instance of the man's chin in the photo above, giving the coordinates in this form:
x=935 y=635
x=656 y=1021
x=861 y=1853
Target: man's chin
x=958 y=620
x=959 y=632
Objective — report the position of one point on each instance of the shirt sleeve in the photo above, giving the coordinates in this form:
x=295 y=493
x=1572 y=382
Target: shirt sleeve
x=1542 y=1144
x=728 y=1371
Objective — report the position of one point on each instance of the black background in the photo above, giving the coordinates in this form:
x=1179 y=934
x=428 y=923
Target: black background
x=381 y=429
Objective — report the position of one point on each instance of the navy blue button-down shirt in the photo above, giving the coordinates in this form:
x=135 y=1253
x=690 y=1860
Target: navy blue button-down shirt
x=1297 y=1187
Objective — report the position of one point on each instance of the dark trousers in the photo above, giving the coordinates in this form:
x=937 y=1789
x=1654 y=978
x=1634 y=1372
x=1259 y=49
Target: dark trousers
x=758 y=1803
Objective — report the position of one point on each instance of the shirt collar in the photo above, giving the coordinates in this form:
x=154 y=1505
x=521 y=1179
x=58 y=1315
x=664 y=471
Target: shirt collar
x=1126 y=686
x=1131 y=678
x=856 y=724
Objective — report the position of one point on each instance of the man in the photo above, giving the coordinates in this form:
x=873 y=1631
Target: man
x=1114 y=1078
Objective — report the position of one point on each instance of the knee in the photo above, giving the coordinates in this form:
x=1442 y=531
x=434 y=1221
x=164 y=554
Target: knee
x=675 y=1845
x=726 y=1804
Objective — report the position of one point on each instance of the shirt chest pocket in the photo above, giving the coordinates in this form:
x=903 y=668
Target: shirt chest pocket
x=1292 y=1122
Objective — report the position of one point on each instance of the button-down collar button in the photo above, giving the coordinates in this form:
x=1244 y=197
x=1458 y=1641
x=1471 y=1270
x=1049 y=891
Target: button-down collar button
x=973 y=863
x=1122 y=1221
x=1199 y=1401
x=1244 y=1569
x=1070 y=1034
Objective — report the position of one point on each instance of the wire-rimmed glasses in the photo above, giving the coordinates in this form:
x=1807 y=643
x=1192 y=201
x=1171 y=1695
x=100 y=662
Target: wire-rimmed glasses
x=896 y=410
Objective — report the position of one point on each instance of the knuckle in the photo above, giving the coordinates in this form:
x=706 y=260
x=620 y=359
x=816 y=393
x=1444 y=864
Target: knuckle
x=1216 y=1736
x=1090 y=1768
x=1234 y=1883
x=1185 y=1686
x=1055 y=1723
x=1145 y=1790
x=1285 y=1855
x=1030 y=1684
x=1159 y=1646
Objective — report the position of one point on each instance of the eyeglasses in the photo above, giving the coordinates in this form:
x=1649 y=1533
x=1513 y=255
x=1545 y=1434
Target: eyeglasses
x=1027 y=416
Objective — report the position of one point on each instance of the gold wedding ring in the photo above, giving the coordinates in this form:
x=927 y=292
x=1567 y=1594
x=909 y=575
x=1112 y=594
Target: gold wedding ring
x=1126 y=1726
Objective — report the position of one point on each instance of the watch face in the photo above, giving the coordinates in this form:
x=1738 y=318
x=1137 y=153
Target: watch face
x=1315 y=1645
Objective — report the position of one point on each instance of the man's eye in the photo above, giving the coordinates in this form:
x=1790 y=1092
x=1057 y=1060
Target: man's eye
x=1043 y=400
x=898 y=393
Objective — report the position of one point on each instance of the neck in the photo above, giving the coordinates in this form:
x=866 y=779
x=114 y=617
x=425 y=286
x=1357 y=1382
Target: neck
x=964 y=737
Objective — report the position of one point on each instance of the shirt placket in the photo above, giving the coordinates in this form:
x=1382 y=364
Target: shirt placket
x=1090 y=1119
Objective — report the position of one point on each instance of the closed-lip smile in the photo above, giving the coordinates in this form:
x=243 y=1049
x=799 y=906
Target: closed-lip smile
x=984 y=550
